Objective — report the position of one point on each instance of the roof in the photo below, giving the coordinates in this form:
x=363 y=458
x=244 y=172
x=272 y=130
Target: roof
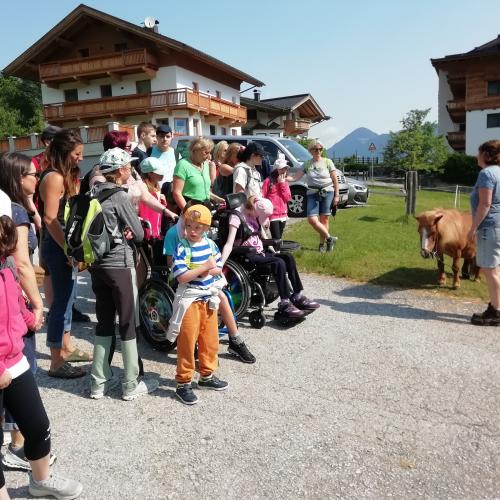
x=309 y=107
x=491 y=48
x=18 y=66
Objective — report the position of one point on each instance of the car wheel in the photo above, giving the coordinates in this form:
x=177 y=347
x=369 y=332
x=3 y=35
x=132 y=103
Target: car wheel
x=297 y=205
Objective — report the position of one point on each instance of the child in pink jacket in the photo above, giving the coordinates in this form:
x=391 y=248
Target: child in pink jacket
x=277 y=190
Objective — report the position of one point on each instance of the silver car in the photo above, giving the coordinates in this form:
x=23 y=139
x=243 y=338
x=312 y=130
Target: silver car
x=358 y=193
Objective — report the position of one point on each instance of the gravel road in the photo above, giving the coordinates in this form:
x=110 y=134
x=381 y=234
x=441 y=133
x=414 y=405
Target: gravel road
x=379 y=394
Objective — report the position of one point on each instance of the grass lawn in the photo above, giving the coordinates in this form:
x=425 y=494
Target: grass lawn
x=378 y=245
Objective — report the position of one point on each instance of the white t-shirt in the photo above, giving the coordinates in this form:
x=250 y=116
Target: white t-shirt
x=168 y=159
x=248 y=178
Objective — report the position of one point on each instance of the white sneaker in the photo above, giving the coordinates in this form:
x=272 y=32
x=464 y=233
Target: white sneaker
x=16 y=459
x=145 y=386
x=102 y=390
x=55 y=486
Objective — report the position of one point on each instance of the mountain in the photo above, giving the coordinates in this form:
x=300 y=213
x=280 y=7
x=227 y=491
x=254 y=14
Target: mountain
x=357 y=143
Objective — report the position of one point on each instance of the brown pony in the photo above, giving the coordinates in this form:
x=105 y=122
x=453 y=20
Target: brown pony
x=444 y=231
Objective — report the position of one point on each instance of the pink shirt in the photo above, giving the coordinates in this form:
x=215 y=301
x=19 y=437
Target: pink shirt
x=279 y=195
x=152 y=216
x=254 y=240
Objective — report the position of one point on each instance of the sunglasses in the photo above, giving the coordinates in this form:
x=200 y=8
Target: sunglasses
x=317 y=149
x=34 y=174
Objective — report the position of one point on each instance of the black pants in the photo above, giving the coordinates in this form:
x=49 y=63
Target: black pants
x=277 y=227
x=280 y=264
x=23 y=401
x=115 y=291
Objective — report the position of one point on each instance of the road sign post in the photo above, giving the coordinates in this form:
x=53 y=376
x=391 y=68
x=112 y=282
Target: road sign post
x=372 y=148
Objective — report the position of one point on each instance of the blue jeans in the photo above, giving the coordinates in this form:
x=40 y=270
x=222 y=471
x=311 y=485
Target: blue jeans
x=319 y=205
x=63 y=286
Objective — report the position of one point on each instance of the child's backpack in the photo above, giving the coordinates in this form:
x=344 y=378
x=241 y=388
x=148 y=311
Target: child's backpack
x=242 y=233
x=85 y=235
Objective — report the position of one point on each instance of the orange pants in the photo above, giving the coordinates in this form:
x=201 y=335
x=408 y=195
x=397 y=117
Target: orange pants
x=199 y=324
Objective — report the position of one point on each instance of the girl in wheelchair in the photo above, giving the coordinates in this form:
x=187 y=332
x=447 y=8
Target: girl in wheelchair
x=254 y=215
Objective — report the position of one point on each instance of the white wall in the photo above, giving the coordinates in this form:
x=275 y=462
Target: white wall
x=477 y=133
x=445 y=124
x=165 y=79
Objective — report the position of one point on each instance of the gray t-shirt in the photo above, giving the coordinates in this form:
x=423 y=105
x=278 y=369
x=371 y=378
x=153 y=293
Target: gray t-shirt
x=488 y=178
x=318 y=175
x=249 y=178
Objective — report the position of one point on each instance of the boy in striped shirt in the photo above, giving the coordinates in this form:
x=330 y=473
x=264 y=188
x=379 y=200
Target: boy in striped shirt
x=196 y=261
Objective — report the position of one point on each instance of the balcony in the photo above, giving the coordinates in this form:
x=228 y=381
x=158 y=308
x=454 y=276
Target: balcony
x=456 y=110
x=457 y=141
x=212 y=108
x=109 y=65
x=296 y=127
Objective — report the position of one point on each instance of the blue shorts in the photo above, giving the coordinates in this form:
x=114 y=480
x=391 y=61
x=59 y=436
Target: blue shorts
x=319 y=205
x=488 y=247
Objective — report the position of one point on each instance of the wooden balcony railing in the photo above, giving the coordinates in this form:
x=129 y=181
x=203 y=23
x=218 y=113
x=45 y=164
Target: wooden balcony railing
x=116 y=63
x=295 y=127
x=456 y=140
x=456 y=110
x=4 y=145
x=164 y=100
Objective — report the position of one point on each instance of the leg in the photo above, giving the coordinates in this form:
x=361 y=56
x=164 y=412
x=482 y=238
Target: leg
x=47 y=290
x=492 y=276
x=186 y=341
x=441 y=273
x=318 y=227
x=274 y=228
x=278 y=268
x=324 y=220
x=291 y=269
x=227 y=315
x=455 y=268
x=208 y=341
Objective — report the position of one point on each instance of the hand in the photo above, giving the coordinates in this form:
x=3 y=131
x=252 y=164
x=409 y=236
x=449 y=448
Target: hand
x=163 y=200
x=336 y=200
x=71 y=262
x=5 y=379
x=210 y=264
x=38 y=312
x=128 y=234
x=216 y=271
x=282 y=177
x=471 y=234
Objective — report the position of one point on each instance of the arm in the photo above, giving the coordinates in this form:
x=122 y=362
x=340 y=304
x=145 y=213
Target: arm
x=152 y=202
x=485 y=198
x=51 y=190
x=284 y=190
x=199 y=271
x=225 y=170
x=336 y=198
x=27 y=278
x=177 y=188
x=226 y=251
x=296 y=177
x=126 y=213
x=36 y=217
x=265 y=188
x=212 y=168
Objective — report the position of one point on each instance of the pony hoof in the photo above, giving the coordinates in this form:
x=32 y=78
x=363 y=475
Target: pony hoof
x=456 y=286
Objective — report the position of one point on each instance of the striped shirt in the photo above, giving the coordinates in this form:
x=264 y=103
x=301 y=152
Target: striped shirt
x=193 y=256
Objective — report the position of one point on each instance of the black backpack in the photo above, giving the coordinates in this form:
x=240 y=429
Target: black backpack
x=242 y=234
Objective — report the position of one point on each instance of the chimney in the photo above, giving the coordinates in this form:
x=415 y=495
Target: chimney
x=256 y=95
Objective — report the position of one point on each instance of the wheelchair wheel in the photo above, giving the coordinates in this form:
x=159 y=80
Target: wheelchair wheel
x=155 y=311
x=257 y=319
x=289 y=246
x=239 y=287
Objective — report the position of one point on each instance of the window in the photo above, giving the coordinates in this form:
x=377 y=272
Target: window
x=223 y=131
x=83 y=52
x=234 y=131
x=271 y=150
x=71 y=95
x=196 y=126
x=181 y=126
x=143 y=86
x=213 y=131
x=493 y=120
x=234 y=100
x=106 y=91
x=120 y=47
x=162 y=121
x=218 y=94
x=494 y=88
x=196 y=86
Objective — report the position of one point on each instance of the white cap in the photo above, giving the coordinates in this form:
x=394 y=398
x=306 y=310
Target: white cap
x=5 y=205
x=280 y=162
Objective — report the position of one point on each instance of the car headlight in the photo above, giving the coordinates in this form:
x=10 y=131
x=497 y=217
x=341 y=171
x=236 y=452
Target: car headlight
x=359 y=188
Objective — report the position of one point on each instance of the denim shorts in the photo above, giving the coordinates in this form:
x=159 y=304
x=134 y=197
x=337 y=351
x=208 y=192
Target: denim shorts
x=319 y=205
x=488 y=247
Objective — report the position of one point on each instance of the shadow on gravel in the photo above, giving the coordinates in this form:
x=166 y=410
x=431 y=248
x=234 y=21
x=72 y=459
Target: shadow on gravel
x=19 y=492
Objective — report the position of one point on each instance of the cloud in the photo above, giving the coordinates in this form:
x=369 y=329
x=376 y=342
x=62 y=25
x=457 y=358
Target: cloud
x=327 y=133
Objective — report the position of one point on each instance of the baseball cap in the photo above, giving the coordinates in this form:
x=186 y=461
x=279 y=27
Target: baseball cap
x=200 y=214
x=49 y=132
x=5 y=204
x=153 y=165
x=113 y=159
x=254 y=148
x=163 y=129
x=280 y=162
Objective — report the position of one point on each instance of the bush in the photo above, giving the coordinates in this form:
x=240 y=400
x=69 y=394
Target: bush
x=460 y=169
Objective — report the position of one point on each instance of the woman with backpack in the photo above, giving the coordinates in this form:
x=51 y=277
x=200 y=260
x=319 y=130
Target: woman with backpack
x=57 y=183
x=115 y=285
x=246 y=177
x=18 y=390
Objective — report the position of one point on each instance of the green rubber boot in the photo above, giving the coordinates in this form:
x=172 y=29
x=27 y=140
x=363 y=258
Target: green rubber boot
x=101 y=376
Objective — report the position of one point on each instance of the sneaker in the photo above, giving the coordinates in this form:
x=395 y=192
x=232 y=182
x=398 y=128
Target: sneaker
x=78 y=317
x=101 y=391
x=331 y=241
x=305 y=304
x=322 y=248
x=490 y=317
x=186 y=394
x=213 y=383
x=290 y=311
x=145 y=386
x=55 y=486
x=16 y=459
x=241 y=351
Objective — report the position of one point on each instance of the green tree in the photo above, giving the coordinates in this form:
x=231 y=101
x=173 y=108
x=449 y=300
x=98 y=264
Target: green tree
x=416 y=146
x=306 y=141
x=20 y=107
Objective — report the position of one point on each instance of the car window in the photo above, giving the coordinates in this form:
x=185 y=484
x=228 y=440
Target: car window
x=182 y=149
x=271 y=150
x=297 y=150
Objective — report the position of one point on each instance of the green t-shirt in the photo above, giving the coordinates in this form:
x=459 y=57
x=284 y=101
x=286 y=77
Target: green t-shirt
x=196 y=182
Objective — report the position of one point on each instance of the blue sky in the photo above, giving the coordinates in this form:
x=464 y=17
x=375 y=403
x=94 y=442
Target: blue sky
x=366 y=63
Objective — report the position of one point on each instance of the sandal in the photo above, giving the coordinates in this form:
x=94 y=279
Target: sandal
x=67 y=371
x=78 y=356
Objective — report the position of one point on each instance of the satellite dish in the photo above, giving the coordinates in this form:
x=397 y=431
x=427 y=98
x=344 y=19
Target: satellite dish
x=149 y=22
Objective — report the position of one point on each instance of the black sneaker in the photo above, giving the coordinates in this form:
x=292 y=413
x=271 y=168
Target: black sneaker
x=490 y=317
x=185 y=393
x=331 y=241
x=79 y=317
x=240 y=351
x=213 y=383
